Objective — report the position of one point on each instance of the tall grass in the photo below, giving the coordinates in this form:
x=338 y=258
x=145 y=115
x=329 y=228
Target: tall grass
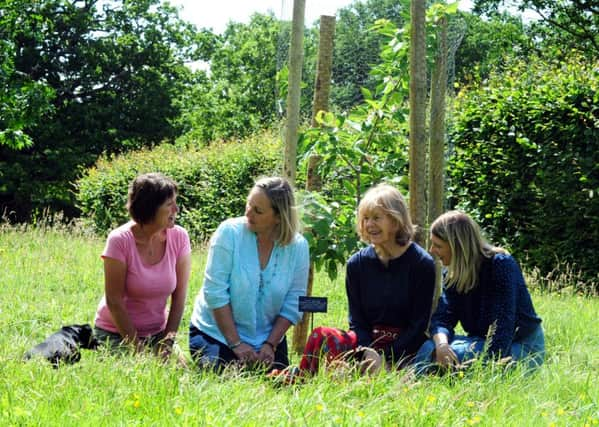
x=53 y=276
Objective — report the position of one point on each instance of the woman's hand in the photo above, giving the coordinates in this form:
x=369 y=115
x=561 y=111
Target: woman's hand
x=136 y=345
x=245 y=353
x=267 y=354
x=165 y=347
x=371 y=362
x=445 y=356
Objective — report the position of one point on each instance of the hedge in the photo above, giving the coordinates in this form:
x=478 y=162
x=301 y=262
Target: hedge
x=213 y=182
x=526 y=162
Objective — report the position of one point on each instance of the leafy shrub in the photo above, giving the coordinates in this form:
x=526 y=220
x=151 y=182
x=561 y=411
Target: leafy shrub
x=358 y=149
x=526 y=162
x=356 y=153
x=213 y=182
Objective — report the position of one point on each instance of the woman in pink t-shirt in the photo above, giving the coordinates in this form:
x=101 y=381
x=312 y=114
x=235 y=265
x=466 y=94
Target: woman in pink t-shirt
x=146 y=262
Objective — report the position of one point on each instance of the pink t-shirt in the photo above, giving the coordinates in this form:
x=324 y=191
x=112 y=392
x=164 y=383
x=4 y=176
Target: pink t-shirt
x=147 y=287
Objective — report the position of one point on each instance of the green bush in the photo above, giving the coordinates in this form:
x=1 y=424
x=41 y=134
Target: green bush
x=213 y=182
x=526 y=162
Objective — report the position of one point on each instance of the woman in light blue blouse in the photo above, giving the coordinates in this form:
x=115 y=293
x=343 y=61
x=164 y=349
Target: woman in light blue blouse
x=256 y=270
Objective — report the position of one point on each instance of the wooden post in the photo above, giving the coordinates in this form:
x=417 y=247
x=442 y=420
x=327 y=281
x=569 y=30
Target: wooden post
x=437 y=140
x=437 y=128
x=296 y=51
x=322 y=81
x=322 y=89
x=418 y=118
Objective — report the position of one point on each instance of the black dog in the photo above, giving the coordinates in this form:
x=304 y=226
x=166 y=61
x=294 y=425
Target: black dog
x=63 y=346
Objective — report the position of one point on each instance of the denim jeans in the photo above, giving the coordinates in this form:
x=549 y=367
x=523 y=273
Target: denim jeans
x=212 y=354
x=529 y=350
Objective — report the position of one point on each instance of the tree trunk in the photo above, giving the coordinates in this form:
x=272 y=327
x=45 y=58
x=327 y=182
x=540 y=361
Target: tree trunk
x=322 y=82
x=296 y=49
x=437 y=129
x=322 y=88
x=437 y=139
x=418 y=118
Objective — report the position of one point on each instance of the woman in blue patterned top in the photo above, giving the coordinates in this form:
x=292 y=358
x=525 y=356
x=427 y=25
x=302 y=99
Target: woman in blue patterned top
x=485 y=291
x=256 y=270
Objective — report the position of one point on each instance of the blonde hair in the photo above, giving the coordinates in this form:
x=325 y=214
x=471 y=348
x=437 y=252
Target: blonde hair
x=390 y=200
x=280 y=194
x=468 y=248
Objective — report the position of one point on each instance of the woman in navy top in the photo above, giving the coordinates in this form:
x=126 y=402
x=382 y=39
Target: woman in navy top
x=390 y=283
x=390 y=286
x=484 y=291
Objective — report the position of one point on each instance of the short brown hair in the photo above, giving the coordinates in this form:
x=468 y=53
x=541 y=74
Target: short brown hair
x=146 y=193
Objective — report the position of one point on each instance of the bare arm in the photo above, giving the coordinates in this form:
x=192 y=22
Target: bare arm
x=115 y=273
x=279 y=329
x=178 y=296
x=444 y=355
x=226 y=325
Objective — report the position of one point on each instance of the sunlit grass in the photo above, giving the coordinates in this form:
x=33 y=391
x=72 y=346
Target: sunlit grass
x=52 y=277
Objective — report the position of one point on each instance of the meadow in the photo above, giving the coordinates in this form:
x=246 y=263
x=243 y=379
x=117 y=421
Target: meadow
x=52 y=276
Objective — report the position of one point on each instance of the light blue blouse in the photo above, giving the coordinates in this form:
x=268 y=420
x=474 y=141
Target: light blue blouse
x=233 y=276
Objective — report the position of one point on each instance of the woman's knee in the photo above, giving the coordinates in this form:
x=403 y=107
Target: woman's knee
x=202 y=350
x=467 y=348
x=282 y=355
x=425 y=352
x=322 y=331
x=531 y=348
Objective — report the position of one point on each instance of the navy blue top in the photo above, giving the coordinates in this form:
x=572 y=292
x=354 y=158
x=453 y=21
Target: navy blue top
x=500 y=298
x=398 y=295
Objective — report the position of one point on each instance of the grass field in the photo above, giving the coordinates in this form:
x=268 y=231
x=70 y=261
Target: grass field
x=53 y=277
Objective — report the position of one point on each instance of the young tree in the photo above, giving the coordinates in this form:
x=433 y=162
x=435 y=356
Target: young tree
x=357 y=47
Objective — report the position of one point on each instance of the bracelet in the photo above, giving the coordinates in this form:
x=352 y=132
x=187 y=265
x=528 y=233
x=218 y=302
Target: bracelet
x=274 y=347
x=235 y=345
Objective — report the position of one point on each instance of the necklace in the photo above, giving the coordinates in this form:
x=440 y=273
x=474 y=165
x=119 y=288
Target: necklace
x=148 y=241
x=150 y=248
x=261 y=279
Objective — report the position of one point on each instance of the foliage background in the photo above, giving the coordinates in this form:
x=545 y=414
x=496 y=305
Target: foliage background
x=102 y=79
x=526 y=161
x=213 y=182
x=81 y=81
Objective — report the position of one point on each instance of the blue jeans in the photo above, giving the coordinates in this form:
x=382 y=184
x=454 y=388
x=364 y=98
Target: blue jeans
x=529 y=349
x=210 y=353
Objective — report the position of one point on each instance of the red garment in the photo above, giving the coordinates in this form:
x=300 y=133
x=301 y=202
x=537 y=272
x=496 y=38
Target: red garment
x=327 y=342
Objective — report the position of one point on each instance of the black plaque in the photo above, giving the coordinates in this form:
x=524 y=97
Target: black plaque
x=313 y=304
